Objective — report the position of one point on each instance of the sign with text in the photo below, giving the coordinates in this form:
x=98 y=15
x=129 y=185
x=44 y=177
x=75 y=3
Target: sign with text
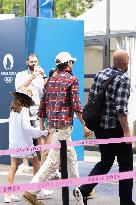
x=12 y=59
x=45 y=37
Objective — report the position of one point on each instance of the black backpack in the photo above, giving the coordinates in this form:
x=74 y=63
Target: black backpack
x=93 y=109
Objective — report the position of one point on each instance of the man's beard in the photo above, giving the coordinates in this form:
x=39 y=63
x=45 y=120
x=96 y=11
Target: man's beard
x=31 y=67
x=126 y=69
x=70 y=69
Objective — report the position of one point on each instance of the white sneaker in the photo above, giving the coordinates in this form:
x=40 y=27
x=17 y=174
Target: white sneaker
x=11 y=198
x=56 y=174
x=43 y=194
x=23 y=169
x=78 y=196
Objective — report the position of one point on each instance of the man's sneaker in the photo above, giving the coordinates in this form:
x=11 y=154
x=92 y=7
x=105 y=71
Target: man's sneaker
x=43 y=194
x=92 y=194
x=11 y=198
x=127 y=203
x=132 y=203
x=56 y=175
x=80 y=200
x=31 y=198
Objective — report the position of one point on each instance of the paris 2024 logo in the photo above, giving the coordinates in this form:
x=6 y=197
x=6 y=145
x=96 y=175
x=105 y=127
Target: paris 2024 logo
x=8 y=64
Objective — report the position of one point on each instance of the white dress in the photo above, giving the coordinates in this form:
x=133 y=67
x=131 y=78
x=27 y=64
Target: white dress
x=21 y=133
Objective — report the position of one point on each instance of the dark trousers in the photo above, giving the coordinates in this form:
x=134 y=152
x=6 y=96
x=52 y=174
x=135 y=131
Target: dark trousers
x=108 y=152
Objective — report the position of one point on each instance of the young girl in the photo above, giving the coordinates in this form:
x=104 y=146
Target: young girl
x=21 y=134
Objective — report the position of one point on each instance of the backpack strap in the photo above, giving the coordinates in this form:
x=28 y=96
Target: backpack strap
x=110 y=79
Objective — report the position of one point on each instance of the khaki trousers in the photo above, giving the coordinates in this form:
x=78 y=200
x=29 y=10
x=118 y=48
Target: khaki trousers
x=44 y=153
x=53 y=160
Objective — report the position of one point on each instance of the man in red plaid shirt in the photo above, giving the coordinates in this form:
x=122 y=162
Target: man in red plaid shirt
x=61 y=96
x=59 y=102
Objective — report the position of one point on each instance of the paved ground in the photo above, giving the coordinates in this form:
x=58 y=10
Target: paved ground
x=106 y=193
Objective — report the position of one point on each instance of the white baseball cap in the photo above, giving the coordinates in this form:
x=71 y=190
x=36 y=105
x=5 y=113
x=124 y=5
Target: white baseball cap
x=64 y=57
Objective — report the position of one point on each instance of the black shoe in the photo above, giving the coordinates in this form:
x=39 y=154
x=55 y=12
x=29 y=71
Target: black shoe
x=132 y=203
x=127 y=203
x=80 y=200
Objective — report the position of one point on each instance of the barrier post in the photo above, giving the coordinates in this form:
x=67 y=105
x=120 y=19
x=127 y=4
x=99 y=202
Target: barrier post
x=64 y=172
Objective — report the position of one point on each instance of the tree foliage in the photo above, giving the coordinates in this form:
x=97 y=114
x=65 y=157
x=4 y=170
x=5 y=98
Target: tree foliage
x=12 y=6
x=71 y=8
x=62 y=8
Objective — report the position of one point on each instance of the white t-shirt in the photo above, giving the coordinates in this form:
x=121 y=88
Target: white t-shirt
x=21 y=133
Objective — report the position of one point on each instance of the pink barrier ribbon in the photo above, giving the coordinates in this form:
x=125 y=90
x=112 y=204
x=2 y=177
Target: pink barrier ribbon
x=29 y=149
x=69 y=143
x=67 y=182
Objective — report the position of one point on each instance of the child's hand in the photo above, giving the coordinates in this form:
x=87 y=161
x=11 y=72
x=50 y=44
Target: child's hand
x=45 y=133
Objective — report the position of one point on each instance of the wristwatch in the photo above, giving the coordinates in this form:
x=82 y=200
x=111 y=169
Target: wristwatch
x=44 y=77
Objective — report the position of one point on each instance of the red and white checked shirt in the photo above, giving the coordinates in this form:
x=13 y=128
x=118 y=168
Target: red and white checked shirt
x=60 y=100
